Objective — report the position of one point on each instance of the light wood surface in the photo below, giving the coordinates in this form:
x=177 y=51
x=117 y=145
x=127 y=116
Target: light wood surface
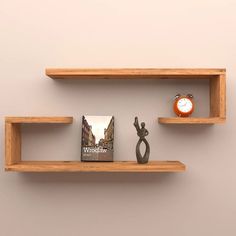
x=124 y=73
x=217 y=115
x=73 y=166
x=216 y=76
x=191 y=120
x=13 y=134
x=12 y=143
x=53 y=120
x=218 y=96
x=13 y=154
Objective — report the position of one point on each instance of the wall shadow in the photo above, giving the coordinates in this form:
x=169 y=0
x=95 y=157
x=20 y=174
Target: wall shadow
x=100 y=178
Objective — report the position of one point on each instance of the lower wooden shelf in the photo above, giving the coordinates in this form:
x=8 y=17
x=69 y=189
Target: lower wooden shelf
x=191 y=120
x=76 y=166
x=14 y=162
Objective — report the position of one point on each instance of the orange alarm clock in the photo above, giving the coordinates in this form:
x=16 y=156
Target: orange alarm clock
x=183 y=105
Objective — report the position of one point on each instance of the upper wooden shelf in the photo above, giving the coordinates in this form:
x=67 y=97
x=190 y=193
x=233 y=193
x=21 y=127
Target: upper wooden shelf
x=216 y=76
x=132 y=73
x=76 y=166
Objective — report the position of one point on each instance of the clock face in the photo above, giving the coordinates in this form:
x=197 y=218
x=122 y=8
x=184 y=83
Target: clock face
x=184 y=105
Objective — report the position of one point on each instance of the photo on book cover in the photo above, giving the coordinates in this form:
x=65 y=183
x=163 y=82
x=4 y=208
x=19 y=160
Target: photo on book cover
x=97 y=138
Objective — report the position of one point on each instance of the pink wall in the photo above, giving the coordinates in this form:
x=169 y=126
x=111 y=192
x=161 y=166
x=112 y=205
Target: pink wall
x=125 y=33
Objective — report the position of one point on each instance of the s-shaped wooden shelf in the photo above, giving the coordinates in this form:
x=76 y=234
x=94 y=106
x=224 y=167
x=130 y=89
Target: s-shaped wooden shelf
x=13 y=160
x=216 y=77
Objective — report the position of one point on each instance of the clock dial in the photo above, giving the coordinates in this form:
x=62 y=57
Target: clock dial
x=185 y=105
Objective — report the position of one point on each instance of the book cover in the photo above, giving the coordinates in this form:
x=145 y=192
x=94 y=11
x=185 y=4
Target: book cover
x=97 y=138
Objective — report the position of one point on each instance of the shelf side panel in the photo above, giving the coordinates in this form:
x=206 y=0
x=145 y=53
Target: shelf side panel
x=218 y=96
x=12 y=143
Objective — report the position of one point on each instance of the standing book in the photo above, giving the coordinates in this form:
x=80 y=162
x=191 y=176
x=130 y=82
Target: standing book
x=97 y=138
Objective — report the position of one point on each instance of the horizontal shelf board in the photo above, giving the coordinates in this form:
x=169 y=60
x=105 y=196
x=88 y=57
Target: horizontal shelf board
x=76 y=166
x=60 y=120
x=190 y=120
x=123 y=73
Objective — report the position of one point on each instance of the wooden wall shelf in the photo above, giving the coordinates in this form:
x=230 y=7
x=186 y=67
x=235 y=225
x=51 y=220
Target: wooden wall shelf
x=217 y=88
x=13 y=134
x=39 y=120
x=217 y=91
x=13 y=160
x=191 y=120
x=73 y=166
x=131 y=73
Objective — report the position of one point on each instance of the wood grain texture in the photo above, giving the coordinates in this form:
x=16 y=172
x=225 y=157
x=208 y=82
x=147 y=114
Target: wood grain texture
x=73 y=166
x=191 y=120
x=12 y=143
x=53 y=120
x=13 y=134
x=218 y=96
x=125 y=73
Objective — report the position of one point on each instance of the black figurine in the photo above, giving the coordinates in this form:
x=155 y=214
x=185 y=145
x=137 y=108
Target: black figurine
x=141 y=132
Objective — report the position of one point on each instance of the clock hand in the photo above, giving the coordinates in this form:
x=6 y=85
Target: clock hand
x=184 y=104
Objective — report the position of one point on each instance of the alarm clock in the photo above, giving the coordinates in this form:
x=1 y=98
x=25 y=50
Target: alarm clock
x=183 y=105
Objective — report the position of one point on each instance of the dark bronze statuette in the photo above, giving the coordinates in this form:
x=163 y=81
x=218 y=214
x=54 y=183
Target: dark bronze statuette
x=142 y=133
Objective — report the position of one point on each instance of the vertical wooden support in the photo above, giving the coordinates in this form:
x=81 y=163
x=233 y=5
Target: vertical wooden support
x=13 y=135
x=12 y=143
x=218 y=96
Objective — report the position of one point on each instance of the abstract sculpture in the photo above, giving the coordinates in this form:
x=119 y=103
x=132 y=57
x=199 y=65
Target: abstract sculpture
x=142 y=133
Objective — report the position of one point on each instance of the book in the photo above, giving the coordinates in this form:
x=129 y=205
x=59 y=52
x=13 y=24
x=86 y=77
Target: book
x=97 y=138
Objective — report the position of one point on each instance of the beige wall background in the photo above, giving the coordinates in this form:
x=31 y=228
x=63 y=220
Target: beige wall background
x=125 y=33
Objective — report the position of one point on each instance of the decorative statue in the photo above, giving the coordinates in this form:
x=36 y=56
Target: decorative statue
x=141 y=132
